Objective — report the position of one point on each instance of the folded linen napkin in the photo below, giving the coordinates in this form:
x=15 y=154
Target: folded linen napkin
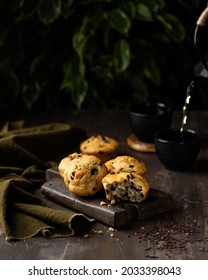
x=25 y=154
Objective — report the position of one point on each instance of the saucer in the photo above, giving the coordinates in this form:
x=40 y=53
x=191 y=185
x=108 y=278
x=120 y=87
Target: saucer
x=135 y=144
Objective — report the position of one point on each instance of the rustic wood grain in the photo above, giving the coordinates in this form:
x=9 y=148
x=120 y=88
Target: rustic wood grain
x=181 y=233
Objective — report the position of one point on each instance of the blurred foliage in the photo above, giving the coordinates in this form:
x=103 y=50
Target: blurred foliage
x=94 y=53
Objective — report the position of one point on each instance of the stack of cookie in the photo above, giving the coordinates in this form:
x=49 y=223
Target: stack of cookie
x=97 y=168
x=125 y=180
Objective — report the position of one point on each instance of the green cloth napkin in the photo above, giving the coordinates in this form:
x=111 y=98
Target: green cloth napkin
x=25 y=155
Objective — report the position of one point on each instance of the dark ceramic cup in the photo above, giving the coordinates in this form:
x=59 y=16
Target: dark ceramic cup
x=147 y=118
x=174 y=151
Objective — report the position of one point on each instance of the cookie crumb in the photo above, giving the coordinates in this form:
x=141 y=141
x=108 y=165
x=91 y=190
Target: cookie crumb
x=113 y=201
x=97 y=231
x=103 y=203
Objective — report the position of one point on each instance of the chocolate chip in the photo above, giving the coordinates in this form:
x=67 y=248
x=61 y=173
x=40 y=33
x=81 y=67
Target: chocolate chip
x=93 y=171
x=105 y=139
x=72 y=175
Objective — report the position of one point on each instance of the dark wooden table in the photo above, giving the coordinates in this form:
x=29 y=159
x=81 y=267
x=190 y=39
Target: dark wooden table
x=181 y=233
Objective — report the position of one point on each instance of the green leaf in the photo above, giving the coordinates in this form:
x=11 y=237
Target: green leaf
x=121 y=55
x=78 y=42
x=129 y=8
x=155 y=5
x=151 y=71
x=140 y=92
x=173 y=27
x=49 y=10
x=37 y=63
x=67 y=8
x=103 y=73
x=75 y=85
x=119 y=20
x=143 y=13
x=68 y=76
x=79 y=91
x=28 y=8
x=30 y=93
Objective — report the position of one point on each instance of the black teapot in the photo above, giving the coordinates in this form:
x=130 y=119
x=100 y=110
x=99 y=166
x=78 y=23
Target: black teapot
x=201 y=44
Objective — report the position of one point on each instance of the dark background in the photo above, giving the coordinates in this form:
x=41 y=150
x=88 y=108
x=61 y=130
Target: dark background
x=96 y=54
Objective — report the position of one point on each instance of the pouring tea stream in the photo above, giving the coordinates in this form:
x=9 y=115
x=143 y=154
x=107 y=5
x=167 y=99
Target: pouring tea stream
x=185 y=107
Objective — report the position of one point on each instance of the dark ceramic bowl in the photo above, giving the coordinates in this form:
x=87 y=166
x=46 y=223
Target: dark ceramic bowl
x=147 y=118
x=177 y=153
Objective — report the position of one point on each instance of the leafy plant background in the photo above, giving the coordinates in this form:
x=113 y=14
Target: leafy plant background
x=95 y=53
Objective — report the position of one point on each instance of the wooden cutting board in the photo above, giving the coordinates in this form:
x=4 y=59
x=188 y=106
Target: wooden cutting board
x=116 y=215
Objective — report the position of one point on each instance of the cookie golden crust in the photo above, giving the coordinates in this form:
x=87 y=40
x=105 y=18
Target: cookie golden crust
x=126 y=164
x=83 y=175
x=100 y=146
x=125 y=186
x=64 y=162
